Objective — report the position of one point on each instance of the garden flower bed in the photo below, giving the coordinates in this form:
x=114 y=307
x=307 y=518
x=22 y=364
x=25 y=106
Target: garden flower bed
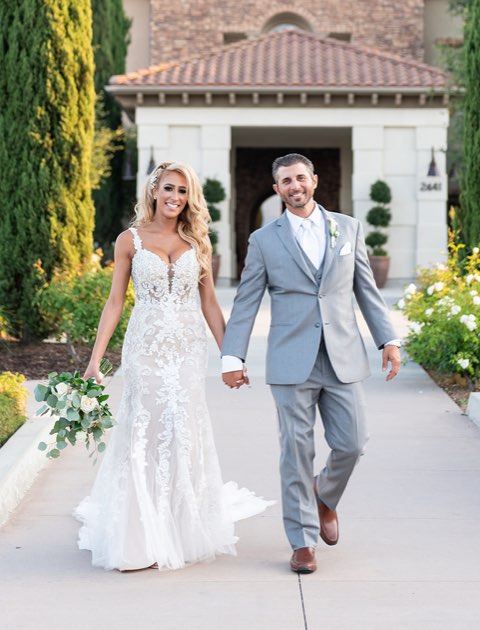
x=443 y=308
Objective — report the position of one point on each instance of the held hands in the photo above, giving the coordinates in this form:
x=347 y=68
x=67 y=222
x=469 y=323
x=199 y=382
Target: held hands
x=236 y=379
x=391 y=354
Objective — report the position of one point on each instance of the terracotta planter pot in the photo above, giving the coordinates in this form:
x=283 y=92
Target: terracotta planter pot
x=380 y=266
x=215 y=266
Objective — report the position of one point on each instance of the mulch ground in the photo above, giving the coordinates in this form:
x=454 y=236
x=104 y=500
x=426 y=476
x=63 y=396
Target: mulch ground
x=37 y=360
x=455 y=386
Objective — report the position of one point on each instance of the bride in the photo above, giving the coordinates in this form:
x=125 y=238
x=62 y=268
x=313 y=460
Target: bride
x=158 y=499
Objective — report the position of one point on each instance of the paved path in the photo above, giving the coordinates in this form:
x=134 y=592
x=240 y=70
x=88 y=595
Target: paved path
x=409 y=555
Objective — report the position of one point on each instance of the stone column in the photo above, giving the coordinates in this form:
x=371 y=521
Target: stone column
x=431 y=195
x=215 y=163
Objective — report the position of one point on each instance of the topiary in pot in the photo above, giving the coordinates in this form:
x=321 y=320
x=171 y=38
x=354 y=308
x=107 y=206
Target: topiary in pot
x=379 y=217
x=214 y=193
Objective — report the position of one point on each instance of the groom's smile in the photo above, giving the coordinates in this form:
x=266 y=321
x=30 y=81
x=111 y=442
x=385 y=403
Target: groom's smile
x=296 y=185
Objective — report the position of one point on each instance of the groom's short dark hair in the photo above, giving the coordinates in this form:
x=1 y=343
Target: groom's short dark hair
x=288 y=160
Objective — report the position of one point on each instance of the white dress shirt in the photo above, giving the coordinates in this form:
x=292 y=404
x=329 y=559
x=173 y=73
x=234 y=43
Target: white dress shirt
x=305 y=241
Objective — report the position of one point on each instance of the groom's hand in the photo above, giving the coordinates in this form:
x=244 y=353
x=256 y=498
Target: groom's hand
x=391 y=354
x=236 y=379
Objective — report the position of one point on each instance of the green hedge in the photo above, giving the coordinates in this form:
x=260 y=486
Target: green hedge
x=13 y=398
x=72 y=305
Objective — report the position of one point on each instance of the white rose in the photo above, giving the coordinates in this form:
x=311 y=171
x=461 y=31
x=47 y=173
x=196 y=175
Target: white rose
x=475 y=250
x=88 y=404
x=62 y=389
x=469 y=278
x=455 y=309
x=476 y=299
x=411 y=289
x=401 y=303
x=463 y=363
x=469 y=321
x=416 y=327
x=473 y=292
x=428 y=312
x=431 y=289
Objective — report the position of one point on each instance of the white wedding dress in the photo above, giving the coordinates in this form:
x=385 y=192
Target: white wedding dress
x=158 y=496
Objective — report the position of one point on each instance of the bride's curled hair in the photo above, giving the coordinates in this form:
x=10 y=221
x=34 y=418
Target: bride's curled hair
x=194 y=218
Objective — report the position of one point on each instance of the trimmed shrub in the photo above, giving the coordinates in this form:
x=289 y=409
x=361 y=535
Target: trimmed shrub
x=214 y=192
x=13 y=397
x=72 y=305
x=379 y=217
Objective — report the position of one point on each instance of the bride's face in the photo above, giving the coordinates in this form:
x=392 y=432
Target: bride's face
x=172 y=195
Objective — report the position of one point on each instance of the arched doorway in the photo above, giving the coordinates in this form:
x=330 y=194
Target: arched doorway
x=253 y=185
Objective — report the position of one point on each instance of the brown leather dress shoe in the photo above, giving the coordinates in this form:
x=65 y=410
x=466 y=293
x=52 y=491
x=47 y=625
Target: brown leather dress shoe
x=328 y=523
x=303 y=560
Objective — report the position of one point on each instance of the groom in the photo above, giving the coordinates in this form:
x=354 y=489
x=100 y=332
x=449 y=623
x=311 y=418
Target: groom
x=313 y=262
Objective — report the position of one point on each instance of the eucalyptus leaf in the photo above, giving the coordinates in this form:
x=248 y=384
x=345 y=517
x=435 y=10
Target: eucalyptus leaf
x=61 y=444
x=52 y=400
x=54 y=453
x=41 y=392
x=52 y=375
x=101 y=447
x=73 y=415
x=42 y=446
x=62 y=433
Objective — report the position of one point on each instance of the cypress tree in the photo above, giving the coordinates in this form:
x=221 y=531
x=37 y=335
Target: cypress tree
x=110 y=45
x=470 y=195
x=46 y=132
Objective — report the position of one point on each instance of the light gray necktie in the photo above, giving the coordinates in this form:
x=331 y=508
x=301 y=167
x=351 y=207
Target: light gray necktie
x=309 y=242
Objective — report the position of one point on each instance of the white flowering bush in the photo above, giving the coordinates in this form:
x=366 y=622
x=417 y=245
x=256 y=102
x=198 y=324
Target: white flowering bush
x=444 y=312
x=79 y=406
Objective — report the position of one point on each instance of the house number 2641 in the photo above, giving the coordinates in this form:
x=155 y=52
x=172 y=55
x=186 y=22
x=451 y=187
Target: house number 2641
x=428 y=186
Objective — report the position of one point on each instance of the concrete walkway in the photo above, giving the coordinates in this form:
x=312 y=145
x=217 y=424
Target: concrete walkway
x=409 y=555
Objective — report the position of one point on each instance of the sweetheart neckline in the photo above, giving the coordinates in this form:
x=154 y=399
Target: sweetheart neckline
x=167 y=264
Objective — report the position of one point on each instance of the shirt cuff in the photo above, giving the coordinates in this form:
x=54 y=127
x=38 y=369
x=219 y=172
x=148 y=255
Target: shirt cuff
x=231 y=364
x=394 y=342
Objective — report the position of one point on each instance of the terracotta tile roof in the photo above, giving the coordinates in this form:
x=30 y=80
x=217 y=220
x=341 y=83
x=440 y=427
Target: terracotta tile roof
x=289 y=59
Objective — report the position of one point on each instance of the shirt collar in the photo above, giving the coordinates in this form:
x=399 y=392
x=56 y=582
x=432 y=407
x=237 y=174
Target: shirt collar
x=316 y=217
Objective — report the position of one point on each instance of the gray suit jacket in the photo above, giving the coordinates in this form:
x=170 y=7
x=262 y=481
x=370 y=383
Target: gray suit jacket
x=301 y=309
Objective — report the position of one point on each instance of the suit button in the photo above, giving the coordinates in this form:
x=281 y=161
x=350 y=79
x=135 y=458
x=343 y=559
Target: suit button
x=317 y=325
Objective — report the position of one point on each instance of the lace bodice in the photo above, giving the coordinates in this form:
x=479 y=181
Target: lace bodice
x=158 y=283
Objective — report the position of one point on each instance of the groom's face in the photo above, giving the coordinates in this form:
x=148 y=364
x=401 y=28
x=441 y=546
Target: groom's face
x=296 y=186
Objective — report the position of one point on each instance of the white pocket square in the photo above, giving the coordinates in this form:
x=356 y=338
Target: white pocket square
x=346 y=249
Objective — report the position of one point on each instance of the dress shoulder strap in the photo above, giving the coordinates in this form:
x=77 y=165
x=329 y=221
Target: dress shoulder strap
x=137 y=241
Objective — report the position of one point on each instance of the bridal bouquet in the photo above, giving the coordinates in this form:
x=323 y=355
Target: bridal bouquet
x=79 y=406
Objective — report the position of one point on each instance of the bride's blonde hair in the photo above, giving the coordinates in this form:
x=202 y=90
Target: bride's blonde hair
x=193 y=220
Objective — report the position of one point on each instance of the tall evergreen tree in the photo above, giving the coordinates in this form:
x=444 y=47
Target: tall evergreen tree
x=46 y=131
x=110 y=44
x=470 y=195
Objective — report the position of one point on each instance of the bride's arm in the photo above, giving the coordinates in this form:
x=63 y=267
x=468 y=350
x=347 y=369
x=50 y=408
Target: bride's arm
x=211 y=309
x=113 y=308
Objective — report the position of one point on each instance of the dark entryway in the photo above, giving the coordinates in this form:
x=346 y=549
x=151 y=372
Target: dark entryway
x=253 y=185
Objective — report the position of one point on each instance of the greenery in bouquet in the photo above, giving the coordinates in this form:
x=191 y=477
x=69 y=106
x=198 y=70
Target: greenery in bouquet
x=79 y=406
x=444 y=312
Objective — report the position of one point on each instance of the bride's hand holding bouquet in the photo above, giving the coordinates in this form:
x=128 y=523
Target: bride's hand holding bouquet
x=79 y=405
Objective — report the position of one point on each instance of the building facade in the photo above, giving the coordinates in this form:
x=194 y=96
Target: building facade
x=228 y=87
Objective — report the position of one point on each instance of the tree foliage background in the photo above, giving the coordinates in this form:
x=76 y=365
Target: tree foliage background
x=46 y=133
x=110 y=44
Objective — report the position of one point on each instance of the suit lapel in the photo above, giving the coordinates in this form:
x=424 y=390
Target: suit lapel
x=284 y=232
x=330 y=252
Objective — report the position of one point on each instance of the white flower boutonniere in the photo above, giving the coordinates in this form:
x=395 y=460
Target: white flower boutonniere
x=333 y=231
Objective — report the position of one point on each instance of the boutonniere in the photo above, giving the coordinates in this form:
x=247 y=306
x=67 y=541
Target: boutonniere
x=333 y=231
